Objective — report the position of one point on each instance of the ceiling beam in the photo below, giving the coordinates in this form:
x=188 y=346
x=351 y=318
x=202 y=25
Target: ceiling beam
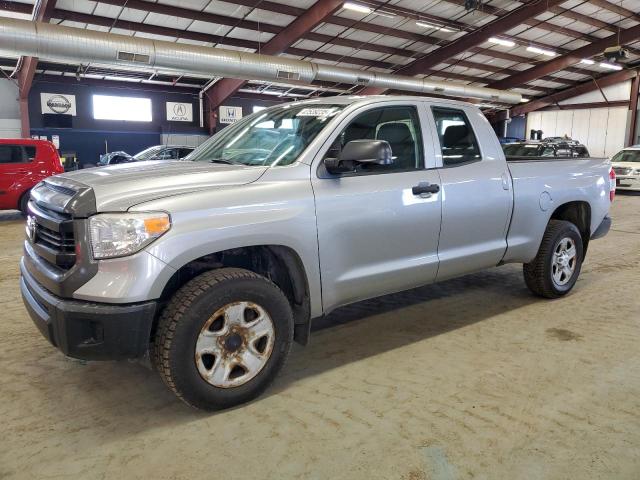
x=589 y=86
x=306 y=22
x=182 y=12
x=470 y=40
x=564 y=61
x=620 y=10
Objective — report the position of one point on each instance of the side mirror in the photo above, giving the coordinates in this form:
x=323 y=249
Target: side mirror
x=368 y=152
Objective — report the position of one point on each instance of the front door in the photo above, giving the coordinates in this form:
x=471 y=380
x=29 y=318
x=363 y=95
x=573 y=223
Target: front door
x=375 y=234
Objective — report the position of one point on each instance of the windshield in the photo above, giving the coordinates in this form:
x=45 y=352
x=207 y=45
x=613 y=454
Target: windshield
x=627 y=156
x=148 y=153
x=273 y=137
x=522 y=150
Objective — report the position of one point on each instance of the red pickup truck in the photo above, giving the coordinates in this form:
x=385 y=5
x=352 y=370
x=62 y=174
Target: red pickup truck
x=23 y=163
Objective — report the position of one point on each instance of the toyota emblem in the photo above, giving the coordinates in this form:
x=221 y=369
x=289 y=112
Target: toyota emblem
x=31 y=228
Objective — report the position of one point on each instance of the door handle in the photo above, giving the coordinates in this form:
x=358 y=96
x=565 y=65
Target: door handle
x=424 y=187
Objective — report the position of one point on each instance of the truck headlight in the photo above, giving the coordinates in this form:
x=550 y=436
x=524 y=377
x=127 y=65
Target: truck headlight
x=120 y=234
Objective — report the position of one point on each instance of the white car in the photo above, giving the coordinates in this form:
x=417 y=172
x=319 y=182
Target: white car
x=626 y=164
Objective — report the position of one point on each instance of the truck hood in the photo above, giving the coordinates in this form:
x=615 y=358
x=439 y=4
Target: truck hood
x=119 y=187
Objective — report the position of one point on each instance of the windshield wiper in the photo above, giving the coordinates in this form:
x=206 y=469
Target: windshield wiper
x=223 y=160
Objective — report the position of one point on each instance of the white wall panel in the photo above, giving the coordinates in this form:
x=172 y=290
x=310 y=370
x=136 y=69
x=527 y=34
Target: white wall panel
x=616 y=130
x=564 y=123
x=602 y=130
x=534 y=120
x=617 y=92
x=580 y=126
x=548 y=123
x=597 y=131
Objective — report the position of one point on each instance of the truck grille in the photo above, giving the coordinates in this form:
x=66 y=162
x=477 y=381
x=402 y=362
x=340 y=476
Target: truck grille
x=51 y=234
x=622 y=170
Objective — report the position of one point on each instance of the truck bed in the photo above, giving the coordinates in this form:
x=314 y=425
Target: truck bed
x=546 y=183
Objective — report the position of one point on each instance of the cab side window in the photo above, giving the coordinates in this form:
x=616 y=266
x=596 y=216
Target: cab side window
x=397 y=125
x=457 y=140
x=12 y=154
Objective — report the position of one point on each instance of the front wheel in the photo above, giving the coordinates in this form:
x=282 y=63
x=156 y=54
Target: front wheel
x=223 y=338
x=555 y=269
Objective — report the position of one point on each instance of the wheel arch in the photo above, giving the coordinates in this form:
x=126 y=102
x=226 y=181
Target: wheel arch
x=280 y=264
x=579 y=213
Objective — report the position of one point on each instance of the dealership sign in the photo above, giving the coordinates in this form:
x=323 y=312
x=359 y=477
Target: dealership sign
x=230 y=114
x=58 y=103
x=179 y=112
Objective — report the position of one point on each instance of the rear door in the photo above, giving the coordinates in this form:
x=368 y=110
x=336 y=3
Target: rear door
x=476 y=198
x=375 y=234
x=14 y=166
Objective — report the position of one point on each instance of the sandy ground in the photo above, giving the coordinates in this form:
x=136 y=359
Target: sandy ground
x=472 y=378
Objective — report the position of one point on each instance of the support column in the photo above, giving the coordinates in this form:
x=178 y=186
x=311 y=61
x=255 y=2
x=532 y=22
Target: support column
x=633 y=108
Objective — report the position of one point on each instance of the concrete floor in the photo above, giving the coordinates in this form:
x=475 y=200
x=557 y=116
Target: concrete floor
x=472 y=378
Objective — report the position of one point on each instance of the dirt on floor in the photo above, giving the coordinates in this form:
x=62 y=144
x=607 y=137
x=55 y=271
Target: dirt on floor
x=471 y=378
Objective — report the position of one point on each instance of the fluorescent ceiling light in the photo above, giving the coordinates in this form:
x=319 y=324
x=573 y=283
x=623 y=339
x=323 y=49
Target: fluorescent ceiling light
x=610 y=66
x=384 y=14
x=586 y=61
x=356 y=7
x=504 y=43
x=541 y=51
x=524 y=100
x=428 y=25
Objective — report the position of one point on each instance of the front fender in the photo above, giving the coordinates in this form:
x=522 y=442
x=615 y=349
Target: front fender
x=262 y=213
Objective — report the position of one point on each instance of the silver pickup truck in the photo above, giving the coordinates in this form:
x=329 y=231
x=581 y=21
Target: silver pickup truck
x=214 y=265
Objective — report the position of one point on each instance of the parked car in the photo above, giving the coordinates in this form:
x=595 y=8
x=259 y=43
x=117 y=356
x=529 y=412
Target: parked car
x=215 y=265
x=509 y=139
x=545 y=148
x=626 y=164
x=23 y=163
x=114 y=158
x=163 y=152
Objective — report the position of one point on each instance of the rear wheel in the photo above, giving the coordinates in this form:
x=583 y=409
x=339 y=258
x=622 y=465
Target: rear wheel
x=223 y=338
x=555 y=269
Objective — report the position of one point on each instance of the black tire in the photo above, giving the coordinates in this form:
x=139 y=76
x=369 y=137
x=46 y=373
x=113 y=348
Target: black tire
x=183 y=319
x=538 y=274
x=23 y=203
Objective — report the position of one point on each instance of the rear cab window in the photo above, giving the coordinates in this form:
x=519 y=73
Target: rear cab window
x=458 y=143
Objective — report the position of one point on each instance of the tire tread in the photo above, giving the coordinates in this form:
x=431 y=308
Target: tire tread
x=178 y=305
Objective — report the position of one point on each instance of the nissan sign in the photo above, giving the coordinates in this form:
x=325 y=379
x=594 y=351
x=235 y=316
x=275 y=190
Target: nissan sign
x=58 y=103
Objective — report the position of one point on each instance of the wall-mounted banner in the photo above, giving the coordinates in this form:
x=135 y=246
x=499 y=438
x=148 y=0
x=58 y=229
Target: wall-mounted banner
x=230 y=114
x=179 y=112
x=58 y=103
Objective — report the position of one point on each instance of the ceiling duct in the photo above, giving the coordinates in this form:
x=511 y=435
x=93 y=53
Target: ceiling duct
x=58 y=43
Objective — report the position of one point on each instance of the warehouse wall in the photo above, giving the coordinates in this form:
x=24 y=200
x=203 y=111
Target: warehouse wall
x=89 y=137
x=602 y=130
x=10 y=110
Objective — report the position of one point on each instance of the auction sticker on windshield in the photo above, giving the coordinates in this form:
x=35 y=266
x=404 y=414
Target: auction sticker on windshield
x=317 y=112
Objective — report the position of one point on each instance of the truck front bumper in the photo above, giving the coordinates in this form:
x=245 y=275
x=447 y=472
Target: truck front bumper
x=88 y=330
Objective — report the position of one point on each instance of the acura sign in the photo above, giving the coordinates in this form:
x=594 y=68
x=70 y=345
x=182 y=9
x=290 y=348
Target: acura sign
x=179 y=112
x=58 y=103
